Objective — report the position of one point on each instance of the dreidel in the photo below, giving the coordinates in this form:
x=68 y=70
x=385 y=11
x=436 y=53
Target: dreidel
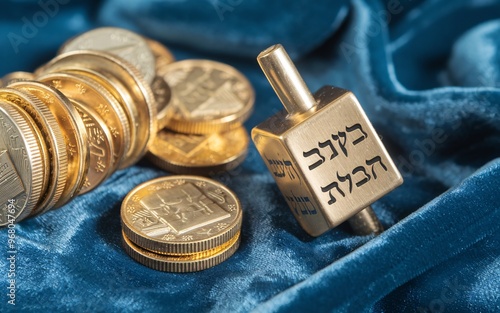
x=323 y=152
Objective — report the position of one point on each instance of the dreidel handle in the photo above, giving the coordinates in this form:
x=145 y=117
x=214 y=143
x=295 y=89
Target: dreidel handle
x=286 y=80
x=296 y=98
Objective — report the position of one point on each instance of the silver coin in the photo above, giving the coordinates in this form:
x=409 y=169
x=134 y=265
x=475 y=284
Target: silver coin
x=120 y=42
x=16 y=77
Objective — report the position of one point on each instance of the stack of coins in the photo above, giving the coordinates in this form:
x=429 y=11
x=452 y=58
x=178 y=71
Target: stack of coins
x=203 y=135
x=95 y=108
x=69 y=126
x=181 y=223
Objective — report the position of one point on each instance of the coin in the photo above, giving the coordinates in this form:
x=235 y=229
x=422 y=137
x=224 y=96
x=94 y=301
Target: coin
x=123 y=43
x=73 y=131
x=163 y=56
x=207 y=96
x=91 y=94
x=100 y=144
x=135 y=93
x=181 y=214
x=181 y=263
x=51 y=131
x=199 y=154
x=21 y=164
x=162 y=94
x=122 y=95
x=17 y=77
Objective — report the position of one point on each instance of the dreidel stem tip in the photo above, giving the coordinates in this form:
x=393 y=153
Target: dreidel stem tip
x=286 y=80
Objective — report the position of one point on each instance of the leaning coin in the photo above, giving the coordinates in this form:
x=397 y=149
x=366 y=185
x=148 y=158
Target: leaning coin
x=207 y=96
x=182 y=263
x=100 y=143
x=199 y=154
x=58 y=156
x=17 y=77
x=160 y=88
x=128 y=45
x=181 y=214
x=163 y=56
x=21 y=164
x=72 y=129
x=93 y=95
x=132 y=92
x=163 y=95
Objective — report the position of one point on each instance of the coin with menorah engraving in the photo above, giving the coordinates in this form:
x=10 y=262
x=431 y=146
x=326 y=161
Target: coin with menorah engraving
x=181 y=215
x=207 y=96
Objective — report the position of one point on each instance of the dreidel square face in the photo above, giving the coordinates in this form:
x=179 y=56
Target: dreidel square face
x=329 y=162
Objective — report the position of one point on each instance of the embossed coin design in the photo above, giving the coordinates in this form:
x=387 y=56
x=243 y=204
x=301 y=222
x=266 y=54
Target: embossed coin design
x=181 y=215
x=126 y=85
x=51 y=131
x=91 y=94
x=199 y=154
x=182 y=263
x=207 y=96
x=163 y=95
x=72 y=129
x=21 y=166
x=127 y=103
x=100 y=143
x=120 y=42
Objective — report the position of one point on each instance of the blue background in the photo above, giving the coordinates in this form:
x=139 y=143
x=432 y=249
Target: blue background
x=427 y=73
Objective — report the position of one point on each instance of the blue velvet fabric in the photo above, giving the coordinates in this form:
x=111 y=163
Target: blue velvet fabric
x=427 y=73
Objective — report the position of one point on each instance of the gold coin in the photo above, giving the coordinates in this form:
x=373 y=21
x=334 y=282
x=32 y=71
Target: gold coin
x=72 y=129
x=90 y=93
x=207 y=96
x=202 y=254
x=51 y=131
x=123 y=43
x=199 y=154
x=163 y=56
x=181 y=264
x=138 y=99
x=163 y=95
x=123 y=96
x=100 y=142
x=17 y=77
x=21 y=164
x=181 y=214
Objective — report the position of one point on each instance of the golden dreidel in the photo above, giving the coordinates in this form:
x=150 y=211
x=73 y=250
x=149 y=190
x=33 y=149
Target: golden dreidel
x=323 y=152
